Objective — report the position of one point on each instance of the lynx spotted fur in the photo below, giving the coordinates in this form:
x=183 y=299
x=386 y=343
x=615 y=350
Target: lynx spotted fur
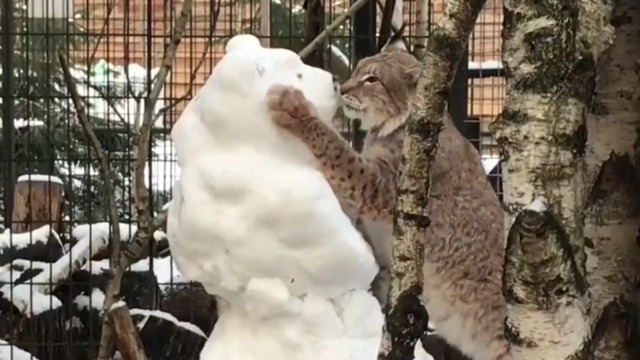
x=464 y=246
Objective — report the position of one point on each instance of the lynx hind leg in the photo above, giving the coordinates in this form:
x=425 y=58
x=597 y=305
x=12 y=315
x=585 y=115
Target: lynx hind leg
x=500 y=349
x=494 y=343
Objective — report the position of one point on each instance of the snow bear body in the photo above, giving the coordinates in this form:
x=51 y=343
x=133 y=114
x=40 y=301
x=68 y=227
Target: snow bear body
x=250 y=201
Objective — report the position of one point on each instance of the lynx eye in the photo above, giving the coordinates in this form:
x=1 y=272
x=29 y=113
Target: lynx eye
x=370 y=79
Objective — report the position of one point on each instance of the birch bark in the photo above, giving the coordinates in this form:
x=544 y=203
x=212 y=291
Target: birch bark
x=406 y=320
x=550 y=54
x=612 y=215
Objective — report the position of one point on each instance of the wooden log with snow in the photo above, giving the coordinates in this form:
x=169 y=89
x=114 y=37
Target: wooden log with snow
x=130 y=346
x=42 y=244
x=38 y=201
x=53 y=309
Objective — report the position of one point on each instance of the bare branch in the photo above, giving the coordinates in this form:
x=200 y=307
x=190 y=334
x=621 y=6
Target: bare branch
x=106 y=349
x=406 y=319
x=337 y=22
x=109 y=101
x=144 y=135
x=100 y=154
x=130 y=346
x=194 y=73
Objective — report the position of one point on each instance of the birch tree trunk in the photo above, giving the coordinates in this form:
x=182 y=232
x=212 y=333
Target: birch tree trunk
x=550 y=54
x=564 y=194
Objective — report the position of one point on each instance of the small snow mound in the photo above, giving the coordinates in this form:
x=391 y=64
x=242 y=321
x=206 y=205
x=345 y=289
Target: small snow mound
x=29 y=301
x=117 y=304
x=12 y=352
x=40 y=178
x=538 y=205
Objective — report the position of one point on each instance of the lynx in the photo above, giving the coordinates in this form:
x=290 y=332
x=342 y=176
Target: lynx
x=464 y=246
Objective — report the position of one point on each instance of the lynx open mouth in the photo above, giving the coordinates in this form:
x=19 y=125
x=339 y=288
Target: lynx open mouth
x=350 y=108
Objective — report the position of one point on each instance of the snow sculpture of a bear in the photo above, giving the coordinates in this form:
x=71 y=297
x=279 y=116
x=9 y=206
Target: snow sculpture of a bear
x=257 y=224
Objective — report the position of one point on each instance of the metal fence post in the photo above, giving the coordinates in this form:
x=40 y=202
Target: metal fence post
x=8 y=109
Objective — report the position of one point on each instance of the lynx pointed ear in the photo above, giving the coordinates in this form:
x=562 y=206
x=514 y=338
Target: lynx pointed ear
x=395 y=42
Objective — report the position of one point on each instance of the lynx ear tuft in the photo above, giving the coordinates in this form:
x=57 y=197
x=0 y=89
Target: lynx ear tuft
x=395 y=42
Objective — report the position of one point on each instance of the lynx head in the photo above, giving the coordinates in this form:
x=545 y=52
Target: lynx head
x=380 y=88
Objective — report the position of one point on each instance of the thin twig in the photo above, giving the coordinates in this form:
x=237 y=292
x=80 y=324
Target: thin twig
x=110 y=8
x=109 y=101
x=127 y=59
x=337 y=22
x=194 y=73
x=144 y=135
x=133 y=252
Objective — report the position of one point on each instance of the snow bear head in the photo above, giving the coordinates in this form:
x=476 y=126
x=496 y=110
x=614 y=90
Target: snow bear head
x=254 y=69
x=231 y=108
x=248 y=70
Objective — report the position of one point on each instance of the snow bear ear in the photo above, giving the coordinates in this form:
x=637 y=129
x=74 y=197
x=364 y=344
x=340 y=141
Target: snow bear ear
x=244 y=42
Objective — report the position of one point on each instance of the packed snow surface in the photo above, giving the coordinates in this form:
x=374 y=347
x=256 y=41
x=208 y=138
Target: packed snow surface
x=257 y=224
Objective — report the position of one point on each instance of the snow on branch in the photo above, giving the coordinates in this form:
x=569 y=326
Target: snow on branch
x=33 y=296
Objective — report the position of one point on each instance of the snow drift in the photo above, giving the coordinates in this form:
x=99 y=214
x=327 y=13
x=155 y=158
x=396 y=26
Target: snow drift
x=257 y=224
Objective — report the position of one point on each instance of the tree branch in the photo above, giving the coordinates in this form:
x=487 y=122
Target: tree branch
x=107 y=348
x=406 y=321
x=194 y=73
x=143 y=208
x=110 y=7
x=329 y=29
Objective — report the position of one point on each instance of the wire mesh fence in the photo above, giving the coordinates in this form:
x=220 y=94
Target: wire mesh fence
x=54 y=251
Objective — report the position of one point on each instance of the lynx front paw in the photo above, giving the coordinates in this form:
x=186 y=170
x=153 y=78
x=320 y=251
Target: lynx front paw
x=288 y=107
